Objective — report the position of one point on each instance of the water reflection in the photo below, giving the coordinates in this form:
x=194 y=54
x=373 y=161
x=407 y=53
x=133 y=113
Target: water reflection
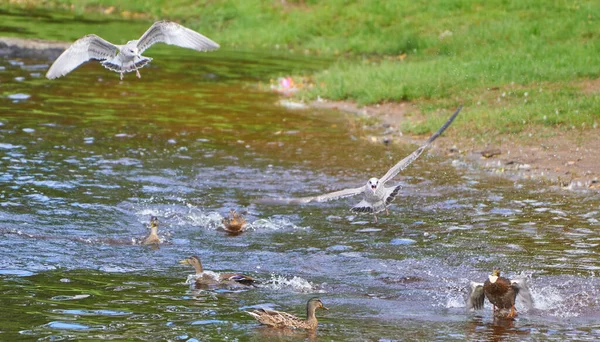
x=87 y=161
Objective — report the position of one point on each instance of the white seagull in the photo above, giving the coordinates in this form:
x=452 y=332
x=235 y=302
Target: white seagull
x=376 y=195
x=128 y=57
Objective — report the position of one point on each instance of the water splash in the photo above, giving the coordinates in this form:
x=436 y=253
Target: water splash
x=191 y=278
x=210 y=220
x=296 y=284
x=275 y=224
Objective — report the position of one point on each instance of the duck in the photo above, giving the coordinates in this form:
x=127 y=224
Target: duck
x=235 y=223
x=207 y=279
x=501 y=292
x=281 y=320
x=152 y=238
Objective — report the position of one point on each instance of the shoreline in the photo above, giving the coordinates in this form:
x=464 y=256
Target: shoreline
x=12 y=47
x=551 y=156
x=562 y=158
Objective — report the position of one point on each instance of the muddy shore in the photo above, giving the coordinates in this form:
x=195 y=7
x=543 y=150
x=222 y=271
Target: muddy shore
x=555 y=157
x=561 y=158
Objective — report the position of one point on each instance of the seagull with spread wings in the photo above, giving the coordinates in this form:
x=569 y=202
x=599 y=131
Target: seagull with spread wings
x=128 y=57
x=376 y=195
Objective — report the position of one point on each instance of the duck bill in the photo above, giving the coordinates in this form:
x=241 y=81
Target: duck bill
x=184 y=262
x=324 y=308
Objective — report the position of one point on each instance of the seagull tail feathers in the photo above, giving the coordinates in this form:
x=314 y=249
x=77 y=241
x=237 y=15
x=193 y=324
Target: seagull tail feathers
x=116 y=65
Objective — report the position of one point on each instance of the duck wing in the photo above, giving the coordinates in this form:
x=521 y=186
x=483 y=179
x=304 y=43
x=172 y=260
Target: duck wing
x=475 y=296
x=274 y=318
x=238 y=278
x=522 y=290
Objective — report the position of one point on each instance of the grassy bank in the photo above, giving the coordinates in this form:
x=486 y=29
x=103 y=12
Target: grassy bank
x=514 y=64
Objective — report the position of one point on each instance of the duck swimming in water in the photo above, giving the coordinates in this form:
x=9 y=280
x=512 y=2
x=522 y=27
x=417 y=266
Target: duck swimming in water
x=501 y=292
x=280 y=319
x=206 y=279
x=152 y=238
x=235 y=223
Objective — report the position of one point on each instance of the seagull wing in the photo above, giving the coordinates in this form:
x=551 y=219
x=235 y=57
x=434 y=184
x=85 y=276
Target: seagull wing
x=391 y=193
x=174 y=34
x=522 y=290
x=401 y=165
x=84 y=49
x=321 y=198
x=363 y=207
x=475 y=297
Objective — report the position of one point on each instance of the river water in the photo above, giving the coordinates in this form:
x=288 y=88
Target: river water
x=87 y=159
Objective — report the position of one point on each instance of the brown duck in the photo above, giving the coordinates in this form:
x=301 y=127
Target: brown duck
x=235 y=223
x=501 y=292
x=279 y=319
x=152 y=238
x=204 y=279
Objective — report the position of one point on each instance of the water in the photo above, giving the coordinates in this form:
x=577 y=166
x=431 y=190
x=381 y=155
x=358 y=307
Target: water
x=86 y=160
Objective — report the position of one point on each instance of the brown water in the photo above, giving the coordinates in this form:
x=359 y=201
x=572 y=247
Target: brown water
x=85 y=160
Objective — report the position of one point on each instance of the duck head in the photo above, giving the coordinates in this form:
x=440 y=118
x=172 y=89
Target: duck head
x=494 y=276
x=315 y=303
x=153 y=225
x=194 y=261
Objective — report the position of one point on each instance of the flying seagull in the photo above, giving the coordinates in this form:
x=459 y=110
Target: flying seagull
x=501 y=292
x=376 y=195
x=128 y=57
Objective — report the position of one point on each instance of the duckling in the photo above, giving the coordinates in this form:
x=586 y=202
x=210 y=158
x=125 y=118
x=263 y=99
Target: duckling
x=152 y=238
x=279 y=319
x=204 y=279
x=501 y=292
x=235 y=223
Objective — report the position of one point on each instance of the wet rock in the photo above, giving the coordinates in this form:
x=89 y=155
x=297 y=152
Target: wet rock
x=368 y=230
x=31 y=48
x=19 y=97
x=402 y=242
x=524 y=167
x=489 y=153
x=338 y=248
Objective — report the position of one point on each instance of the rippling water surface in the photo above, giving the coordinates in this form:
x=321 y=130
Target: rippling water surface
x=86 y=160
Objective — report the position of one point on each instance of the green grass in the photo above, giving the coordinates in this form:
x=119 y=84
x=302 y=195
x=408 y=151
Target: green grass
x=436 y=53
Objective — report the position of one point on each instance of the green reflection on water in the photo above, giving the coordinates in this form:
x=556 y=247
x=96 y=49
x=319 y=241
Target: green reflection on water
x=195 y=134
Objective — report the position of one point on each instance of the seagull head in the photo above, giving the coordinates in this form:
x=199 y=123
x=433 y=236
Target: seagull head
x=131 y=49
x=373 y=183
